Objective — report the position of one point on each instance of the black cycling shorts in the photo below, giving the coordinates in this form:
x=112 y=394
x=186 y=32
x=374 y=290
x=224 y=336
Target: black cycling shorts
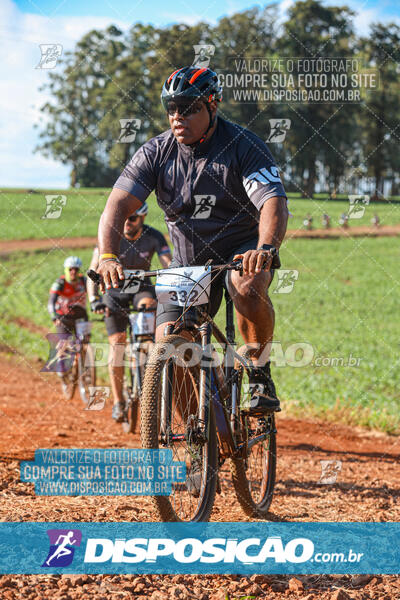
x=171 y=312
x=68 y=321
x=119 y=304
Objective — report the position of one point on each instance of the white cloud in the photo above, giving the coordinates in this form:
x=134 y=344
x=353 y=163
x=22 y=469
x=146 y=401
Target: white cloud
x=20 y=98
x=193 y=19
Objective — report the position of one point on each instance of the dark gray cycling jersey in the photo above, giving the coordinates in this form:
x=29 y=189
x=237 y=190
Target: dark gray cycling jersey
x=211 y=194
x=137 y=254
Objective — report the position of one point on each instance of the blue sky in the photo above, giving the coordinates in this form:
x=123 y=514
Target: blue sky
x=24 y=24
x=157 y=11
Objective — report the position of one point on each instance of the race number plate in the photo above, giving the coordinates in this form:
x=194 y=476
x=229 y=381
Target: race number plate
x=132 y=281
x=142 y=323
x=184 y=285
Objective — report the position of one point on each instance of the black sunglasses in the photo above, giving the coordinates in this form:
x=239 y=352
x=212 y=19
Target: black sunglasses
x=133 y=218
x=184 y=109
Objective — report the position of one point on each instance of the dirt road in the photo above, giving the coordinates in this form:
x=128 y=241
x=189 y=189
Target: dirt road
x=7 y=246
x=35 y=415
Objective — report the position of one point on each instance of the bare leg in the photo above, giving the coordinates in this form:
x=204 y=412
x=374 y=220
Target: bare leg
x=116 y=365
x=254 y=310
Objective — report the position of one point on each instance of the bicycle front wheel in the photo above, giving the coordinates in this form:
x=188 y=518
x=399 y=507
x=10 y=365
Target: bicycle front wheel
x=170 y=418
x=253 y=473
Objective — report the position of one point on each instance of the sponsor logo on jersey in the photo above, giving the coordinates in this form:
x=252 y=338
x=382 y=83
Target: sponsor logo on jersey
x=264 y=177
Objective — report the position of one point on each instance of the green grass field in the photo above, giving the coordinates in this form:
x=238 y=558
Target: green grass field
x=21 y=213
x=344 y=305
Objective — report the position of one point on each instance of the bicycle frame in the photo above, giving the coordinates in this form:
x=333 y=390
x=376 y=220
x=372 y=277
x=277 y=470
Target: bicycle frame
x=225 y=411
x=225 y=400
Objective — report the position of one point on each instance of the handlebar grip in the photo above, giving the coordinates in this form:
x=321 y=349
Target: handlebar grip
x=94 y=276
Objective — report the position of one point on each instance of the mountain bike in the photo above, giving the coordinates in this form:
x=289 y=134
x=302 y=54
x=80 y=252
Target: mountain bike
x=141 y=330
x=83 y=369
x=194 y=403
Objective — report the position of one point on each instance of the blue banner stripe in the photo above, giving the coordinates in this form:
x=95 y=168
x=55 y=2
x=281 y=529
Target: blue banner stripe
x=223 y=548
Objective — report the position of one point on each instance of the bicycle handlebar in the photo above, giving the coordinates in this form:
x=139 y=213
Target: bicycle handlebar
x=235 y=265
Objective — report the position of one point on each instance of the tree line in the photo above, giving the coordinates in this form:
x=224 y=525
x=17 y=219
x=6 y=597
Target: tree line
x=112 y=75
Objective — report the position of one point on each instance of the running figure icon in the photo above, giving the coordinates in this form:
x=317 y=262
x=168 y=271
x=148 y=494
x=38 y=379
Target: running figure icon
x=62 y=550
x=204 y=206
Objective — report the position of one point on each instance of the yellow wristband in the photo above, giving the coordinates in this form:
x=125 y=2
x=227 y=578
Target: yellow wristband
x=108 y=256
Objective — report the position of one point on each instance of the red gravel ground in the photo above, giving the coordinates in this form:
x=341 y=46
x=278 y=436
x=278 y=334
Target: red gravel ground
x=35 y=415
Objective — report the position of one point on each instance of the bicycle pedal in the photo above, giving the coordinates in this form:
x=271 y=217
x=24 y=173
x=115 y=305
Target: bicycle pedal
x=260 y=412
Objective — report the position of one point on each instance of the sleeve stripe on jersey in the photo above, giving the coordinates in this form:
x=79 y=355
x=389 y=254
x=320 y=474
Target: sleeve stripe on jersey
x=132 y=187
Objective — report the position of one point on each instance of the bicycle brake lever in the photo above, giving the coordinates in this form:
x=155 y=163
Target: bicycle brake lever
x=238 y=266
x=94 y=276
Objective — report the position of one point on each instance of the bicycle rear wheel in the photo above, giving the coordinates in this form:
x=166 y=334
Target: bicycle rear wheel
x=253 y=473
x=86 y=372
x=171 y=387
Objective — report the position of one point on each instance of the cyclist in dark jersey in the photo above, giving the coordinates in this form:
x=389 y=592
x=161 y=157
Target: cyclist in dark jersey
x=205 y=156
x=137 y=247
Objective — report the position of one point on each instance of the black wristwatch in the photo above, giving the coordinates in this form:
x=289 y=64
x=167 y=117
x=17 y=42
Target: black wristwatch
x=276 y=262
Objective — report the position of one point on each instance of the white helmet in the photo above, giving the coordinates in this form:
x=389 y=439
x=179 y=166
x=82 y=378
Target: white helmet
x=143 y=210
x=72 y=262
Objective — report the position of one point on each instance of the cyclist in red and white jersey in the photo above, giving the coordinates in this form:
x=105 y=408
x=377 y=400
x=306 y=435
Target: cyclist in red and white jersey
x=67 y=298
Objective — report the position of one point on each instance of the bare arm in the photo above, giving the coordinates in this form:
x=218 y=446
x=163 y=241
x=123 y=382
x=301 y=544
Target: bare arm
x=92 y=287
x=165 y=260
x=272 y=229
x=273 y=222
x=120 y=205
